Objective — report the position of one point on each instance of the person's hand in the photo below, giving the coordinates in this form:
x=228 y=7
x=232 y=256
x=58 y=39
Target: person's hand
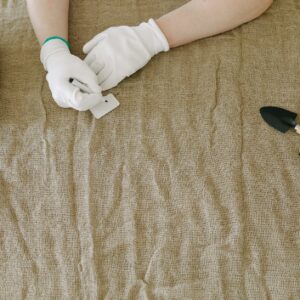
x=62 y=67
x=118 y=52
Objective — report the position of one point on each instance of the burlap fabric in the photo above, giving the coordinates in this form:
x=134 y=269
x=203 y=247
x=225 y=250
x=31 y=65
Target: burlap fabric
x=182 y=192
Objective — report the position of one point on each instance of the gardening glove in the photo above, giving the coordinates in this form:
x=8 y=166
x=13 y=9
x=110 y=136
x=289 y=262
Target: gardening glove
x=118 y=52
x=62 y=68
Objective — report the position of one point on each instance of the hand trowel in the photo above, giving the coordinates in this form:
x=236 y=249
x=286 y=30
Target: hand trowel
x=279 y=118
x=108 y=104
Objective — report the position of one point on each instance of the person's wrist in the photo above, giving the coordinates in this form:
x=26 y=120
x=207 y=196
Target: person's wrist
x=164 y=29
x=56 y=37
x=50 y=48
x=151 y=37
x=160 y=35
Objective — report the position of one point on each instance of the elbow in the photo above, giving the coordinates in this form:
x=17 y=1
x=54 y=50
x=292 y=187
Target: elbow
x=260 y=6
x=265 y=4
x=252 y=9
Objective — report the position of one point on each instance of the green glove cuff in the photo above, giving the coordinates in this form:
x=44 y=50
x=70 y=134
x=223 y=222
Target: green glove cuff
x=57 y=38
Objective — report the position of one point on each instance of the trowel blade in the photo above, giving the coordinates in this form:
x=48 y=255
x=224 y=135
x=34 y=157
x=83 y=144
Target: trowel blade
x=279 y=118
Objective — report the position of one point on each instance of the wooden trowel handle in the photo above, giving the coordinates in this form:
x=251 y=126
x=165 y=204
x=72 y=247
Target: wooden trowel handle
x=297 y=128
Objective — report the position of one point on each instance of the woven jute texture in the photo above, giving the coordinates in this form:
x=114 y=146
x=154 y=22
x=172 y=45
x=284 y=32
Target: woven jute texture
x=182 y=192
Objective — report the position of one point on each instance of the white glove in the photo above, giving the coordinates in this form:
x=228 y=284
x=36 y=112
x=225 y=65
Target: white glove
x=118 y=52
x=62 y=67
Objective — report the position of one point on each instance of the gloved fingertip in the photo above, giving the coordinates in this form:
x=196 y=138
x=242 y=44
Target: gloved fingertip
x=89 y=59
x=93 y=42
x=86 y=48
x=106 y=85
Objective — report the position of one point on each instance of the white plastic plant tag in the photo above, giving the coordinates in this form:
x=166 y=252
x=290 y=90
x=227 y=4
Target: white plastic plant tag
x=109 y=101
x=109 y=104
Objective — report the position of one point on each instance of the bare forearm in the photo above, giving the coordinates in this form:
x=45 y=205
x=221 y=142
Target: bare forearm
x=49 y=17
x=202 y=18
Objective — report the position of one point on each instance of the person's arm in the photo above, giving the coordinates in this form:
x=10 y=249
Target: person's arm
x=50 y=22
x=198 y=19
x=49 y=18
x=120 y=51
